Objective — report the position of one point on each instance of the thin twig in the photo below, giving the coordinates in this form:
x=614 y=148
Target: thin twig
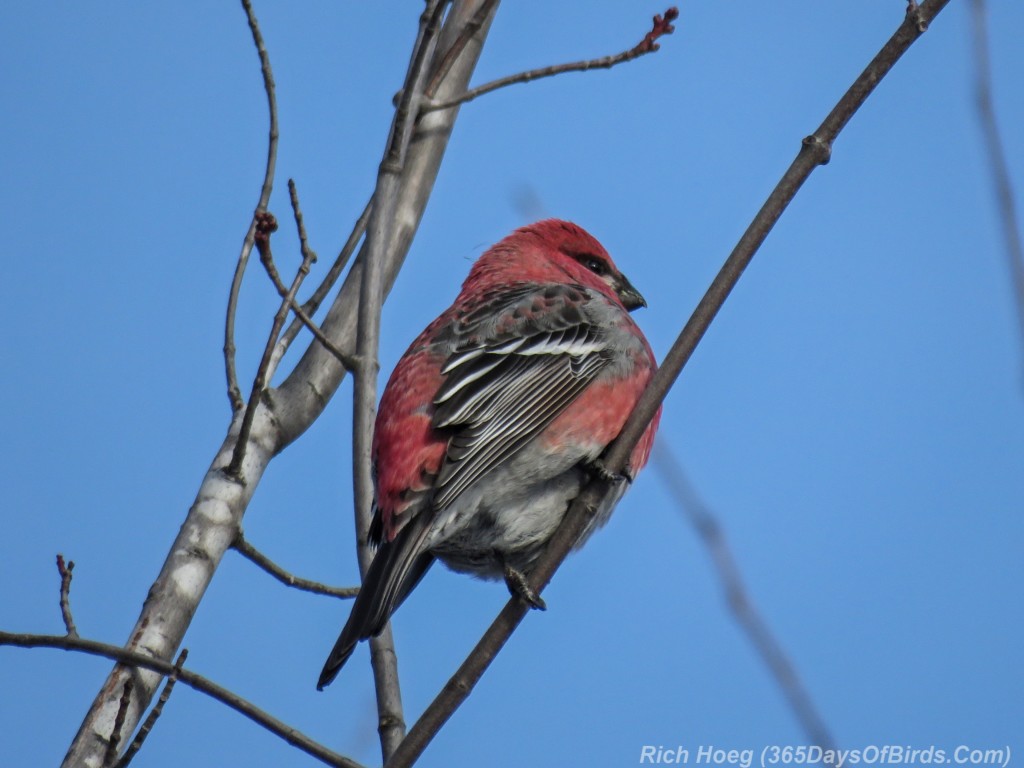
x=300 y=224
x=455 y=50
x=266 y=224
x=234 y=393
x=247 y=550
x=191 y=679
x=662 y=26
x=309 y=256
x=154 y=713
x=383 y=659
x=266 y=258
x=346 y=360
x=122 y=712
x=310 y=306
x=814 y=151
x=738 y=597
x=65 y=594
x=997 y=162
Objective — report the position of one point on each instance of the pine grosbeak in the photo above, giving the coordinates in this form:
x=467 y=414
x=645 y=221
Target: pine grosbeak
x=496 y=414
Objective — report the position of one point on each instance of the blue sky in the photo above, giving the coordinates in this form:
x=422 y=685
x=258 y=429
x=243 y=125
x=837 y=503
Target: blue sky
x=855 y=415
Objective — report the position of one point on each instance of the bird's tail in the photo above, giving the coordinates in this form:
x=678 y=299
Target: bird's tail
x=396 y=569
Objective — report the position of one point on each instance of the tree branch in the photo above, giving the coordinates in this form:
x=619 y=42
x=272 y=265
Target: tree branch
x=310 y=306
x=65 y=594
x=662 y=26
x=997 y=165
x=234 y=393
x=706 y=525
x=266 y=224
x=191 y=679
x=814 y=151
x=122 y=713
x=391 y=721
x=267 y=259
x=281 y=417
x=451 y=55
x=248 y=551
x=154 y=713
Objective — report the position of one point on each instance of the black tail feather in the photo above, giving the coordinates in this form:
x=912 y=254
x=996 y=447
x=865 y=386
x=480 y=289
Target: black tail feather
x=396 y=569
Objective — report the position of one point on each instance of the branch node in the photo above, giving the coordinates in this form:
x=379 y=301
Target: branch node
x=313 y=302
x=914 y=12
x=386 y=722
x=818 y=147
x=266 y=224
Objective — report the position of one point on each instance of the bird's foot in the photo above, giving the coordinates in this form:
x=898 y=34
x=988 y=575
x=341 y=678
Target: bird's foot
x=597 y=468
x=519 y=587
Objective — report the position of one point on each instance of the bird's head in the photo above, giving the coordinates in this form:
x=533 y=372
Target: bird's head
x=556 y=251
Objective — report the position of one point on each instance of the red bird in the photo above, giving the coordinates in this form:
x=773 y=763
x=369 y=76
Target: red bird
x=494 y=417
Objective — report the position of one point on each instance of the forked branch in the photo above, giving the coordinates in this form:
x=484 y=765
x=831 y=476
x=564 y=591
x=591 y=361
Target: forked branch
x=308 y=256
x=310 y=306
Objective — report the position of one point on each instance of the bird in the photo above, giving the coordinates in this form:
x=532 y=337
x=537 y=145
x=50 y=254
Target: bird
x=496 y=416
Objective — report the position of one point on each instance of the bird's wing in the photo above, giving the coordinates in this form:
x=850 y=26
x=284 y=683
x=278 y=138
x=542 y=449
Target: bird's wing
x=519 y=360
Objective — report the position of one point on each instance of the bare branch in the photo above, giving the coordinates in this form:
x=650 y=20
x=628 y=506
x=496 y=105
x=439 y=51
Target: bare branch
x=154 y=713
x=234 y=393
x=455 y=49
x=311 y=305
x=212 y=522
x=309 y=257
x=738 y=598
x=191 y=679
x=997 y=162
x=347 y=360
x=300 y=225
x=247 y=550
x=814 y=151
x=266 y=224
x=662 y=26
x=65 y=594
x=122 y=713
x=385 y=196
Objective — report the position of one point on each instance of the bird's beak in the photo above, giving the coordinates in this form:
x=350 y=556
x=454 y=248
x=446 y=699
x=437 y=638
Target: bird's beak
x=629 y=296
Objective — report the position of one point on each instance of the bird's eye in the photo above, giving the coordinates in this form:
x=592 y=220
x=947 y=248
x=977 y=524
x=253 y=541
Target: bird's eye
x=595 y=265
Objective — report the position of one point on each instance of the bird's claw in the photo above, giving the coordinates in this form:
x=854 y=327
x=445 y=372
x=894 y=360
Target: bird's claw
x=519 y=587
x=597 y=467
